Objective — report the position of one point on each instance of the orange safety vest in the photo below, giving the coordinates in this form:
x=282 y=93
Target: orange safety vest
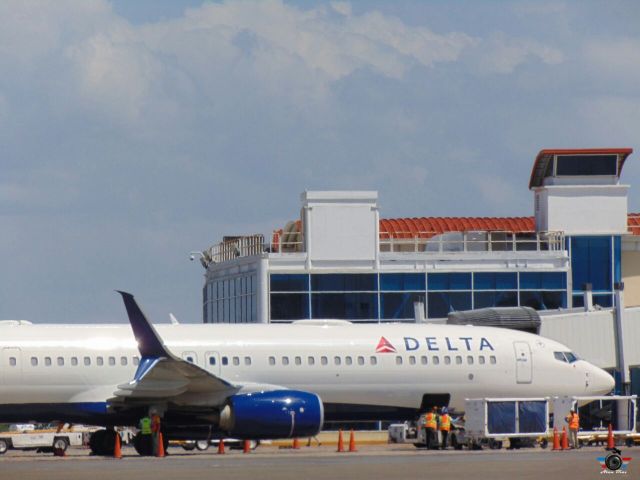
x=155 y=423
x=430 y=421
x=445 y=422
x=574 y=422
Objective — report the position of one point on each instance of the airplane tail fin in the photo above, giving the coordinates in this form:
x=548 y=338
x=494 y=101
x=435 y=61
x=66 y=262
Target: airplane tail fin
x=149 y=342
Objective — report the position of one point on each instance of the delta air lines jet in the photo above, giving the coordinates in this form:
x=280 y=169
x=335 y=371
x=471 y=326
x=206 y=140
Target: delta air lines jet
x=269 y=381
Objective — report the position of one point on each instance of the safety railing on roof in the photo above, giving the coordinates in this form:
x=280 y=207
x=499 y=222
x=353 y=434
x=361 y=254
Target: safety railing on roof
x=474 y=241
x=234 y=247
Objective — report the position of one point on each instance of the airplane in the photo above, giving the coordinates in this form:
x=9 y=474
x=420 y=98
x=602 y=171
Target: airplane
x=255 y=381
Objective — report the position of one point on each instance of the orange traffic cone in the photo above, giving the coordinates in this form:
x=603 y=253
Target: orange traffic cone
x=352 y=442
x=117 y=451
x=611 y=443
x=246 y=447
x=296 y=444
x=160 y=453
x=565 y=440
x=221 y=447
x=556 y=439
x=340 y=442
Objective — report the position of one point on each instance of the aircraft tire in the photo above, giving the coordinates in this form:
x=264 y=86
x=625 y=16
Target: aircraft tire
x=102 y=442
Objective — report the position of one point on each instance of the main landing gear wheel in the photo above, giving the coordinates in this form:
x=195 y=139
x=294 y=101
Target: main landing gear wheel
x=103 y=442
x=144 y=444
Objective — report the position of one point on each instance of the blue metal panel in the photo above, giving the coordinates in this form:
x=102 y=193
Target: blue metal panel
x=344 y=282
x=449 y=281
x=285 y=282
x=495 y=281
x=402 y=281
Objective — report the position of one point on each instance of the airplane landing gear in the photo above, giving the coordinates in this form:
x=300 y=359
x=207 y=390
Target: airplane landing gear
x=102 y=442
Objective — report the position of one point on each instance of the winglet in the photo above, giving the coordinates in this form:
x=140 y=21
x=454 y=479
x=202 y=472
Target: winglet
x=149 y=342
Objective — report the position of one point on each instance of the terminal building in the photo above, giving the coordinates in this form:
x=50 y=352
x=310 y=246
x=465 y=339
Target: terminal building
x=574 y=261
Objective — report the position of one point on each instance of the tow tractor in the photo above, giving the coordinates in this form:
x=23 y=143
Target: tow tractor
x=415 y=433
x=47 y=439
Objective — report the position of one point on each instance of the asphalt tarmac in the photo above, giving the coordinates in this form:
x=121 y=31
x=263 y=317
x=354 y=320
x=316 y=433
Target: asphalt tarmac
x=269 y=462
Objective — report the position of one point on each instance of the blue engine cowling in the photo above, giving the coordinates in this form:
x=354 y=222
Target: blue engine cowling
x=274 y=414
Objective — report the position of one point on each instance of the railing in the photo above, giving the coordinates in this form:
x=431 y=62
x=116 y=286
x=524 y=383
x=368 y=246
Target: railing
x=474 y=241
x=234 y=247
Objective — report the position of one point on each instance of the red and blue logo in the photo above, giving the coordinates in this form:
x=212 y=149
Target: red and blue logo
x=614 y=462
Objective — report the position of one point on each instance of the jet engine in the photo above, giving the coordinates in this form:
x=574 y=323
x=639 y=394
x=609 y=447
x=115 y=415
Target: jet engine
x=274 y=414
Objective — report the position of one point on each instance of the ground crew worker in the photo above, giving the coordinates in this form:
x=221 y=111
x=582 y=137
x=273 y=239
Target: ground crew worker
x=445 y=426
x=430 y=427
x=145 y=431
x=574 y=425
x=155 y=432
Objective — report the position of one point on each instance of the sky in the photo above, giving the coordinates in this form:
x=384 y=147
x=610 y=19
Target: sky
x=133 y=132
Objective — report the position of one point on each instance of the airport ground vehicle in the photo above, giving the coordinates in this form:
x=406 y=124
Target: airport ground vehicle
x=415 y=433
x=44 y=440
x=203 y=445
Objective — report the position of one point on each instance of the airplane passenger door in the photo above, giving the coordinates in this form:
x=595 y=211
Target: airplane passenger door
x=212 y=362
x=524 y=365
x=11 y=366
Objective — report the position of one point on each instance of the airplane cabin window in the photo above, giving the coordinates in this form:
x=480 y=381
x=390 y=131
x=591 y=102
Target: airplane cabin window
x=212 y=360
x=398 y=360
x=60 y=361
x=236 y=361
x=136 y=360
x=348 y=360
x=74 y=361
x=481 y=359
x=285 y=360
x=311 y=360
x=559 y=356
x=225 y=360
x=424 y=360
x=469 y=360
x=272 y=360
x=13 y=361
x=458 y=360
x=447 y=360
x=337 y=360
x=47 y=361
x=324 y=360
x=493 y=360
x=123 y=361
x=373 y=360
x=247 y=361
x=87 y=361
x=360 y=360
x=112 y=361
x=99 y=361
x=189 y=359
x=34 y=361
x=436 y=360
x=412 y=360
x=298 y=360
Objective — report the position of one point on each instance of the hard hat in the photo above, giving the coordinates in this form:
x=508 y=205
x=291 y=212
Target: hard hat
x=444 y=410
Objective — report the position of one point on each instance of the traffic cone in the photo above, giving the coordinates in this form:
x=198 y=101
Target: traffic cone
x=611 y=443
x=246 y=447
x=565 y=440
x=340 y=442
x=117 y=451
x=556 y=439
x=352 y=442
x=221 y=447
x=296 y=444
x=160 y=453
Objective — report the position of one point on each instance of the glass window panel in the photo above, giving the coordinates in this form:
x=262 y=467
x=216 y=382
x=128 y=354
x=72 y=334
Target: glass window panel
x=286 y=282
x=543 y=300
x=578 y=165
x=591 y=263
x=212 y=360
x=469 y=359
x=123 y=361
x=605 y=301
x=458 y=360
x=542 y=280
x=398 y=360
x=347 y=306
x=99 y=361
x=495 y=281
x=324 y=360
x=247 y=361
x=360 y=360
x=272 y=360
x=424 y=360
x=136 y=360
x=13 y=361
x=285 y=360
x=495 y=299
x=34 y=361
x=337 y=360
x=87 y=361
x=348 y=360
x=60 y=361
x=289 y=306
x=399 y=305
x=402 y=281
x=493 y=360
x=225 y=360
x=447 y=360
x=449 y=281
x=373 y=360
x=344 y=282
x=298 y=360
x=311 y=360
x=74 y=361
x=481 y=359
x=435 y=360
x=441 y=303
x=412 y=360
x=236 y=361
x=112 y=361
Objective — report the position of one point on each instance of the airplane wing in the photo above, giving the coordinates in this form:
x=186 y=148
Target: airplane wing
x=161 y=374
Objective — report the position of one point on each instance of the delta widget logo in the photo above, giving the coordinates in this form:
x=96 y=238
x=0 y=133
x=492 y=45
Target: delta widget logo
x=385 y=346
x=614 y=463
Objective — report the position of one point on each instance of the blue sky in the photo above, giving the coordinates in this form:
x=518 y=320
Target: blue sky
x=134 y=132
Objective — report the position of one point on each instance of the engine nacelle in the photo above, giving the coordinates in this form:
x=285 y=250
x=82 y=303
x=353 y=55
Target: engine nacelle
x=274 y=414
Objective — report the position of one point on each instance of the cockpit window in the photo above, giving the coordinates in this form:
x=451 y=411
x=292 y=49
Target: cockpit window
x=567 y=357
x=559 y=356
x=571 y=357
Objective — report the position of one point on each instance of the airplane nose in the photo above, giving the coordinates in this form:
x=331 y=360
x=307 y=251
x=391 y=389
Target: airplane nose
x=601 y=382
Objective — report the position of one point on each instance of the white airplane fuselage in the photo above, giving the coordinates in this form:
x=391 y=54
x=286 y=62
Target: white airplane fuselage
x=59 y=369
